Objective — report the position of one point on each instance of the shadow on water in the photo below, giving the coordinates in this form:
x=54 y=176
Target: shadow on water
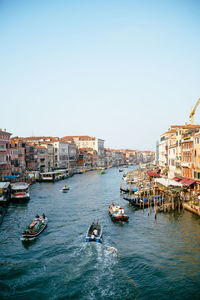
x=28 y=243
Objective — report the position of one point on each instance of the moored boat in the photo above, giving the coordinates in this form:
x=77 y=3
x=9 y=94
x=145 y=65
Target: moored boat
x=20 y=191
x=35 y=228
x=94 y=233
x=117 y=212
x=5 y=189
x=121 y=170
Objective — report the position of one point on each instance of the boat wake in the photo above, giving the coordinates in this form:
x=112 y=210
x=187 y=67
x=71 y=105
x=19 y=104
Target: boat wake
x=112 y=251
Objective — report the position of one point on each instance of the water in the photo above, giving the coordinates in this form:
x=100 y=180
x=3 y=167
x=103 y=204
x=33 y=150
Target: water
x=142 y=259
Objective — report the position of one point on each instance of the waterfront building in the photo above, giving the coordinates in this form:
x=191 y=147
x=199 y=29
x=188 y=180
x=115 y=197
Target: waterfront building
x=30 y=157
x=5 y=158
x=86 y=141
x=42 y=158
x=163 y=151
x=50 y=154
x=18 y=156
x=187 y=163
x=172 y=159
x=61 y=155
x=196 y=145
x=180 y=131
x=117 y=157
x=72 y=157
x=108 y=158
x=131 y=156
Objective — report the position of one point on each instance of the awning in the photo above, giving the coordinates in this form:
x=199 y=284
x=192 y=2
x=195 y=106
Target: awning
x=153 y=174
x=187 y=182
x=176 y=179
x=11 y=176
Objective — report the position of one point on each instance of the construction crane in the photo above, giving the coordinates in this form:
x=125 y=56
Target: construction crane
x=193 y=112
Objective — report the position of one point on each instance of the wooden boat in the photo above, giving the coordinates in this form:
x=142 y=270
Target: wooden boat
x=94 y=233
x=117 y=212
x=65 y=189
x=121 y=170
x=2 y=213
x=35 y=228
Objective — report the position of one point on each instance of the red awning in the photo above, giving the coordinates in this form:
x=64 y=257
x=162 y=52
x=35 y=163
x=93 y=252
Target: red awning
x=176 y=179
x=187 y=182
x=153 y=174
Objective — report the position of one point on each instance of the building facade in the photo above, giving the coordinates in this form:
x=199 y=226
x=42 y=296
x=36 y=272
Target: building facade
x=5 y=158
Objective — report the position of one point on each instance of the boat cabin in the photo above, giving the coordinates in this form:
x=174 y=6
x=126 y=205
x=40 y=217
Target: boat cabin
x=20 y=190
x=54 y=175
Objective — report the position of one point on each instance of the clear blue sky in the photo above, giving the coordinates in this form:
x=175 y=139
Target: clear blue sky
x=118 y=70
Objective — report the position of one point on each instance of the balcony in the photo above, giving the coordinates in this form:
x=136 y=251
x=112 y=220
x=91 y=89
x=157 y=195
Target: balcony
x=3 y=162
x=2 y=149
x=187 y=150
x=186 y=164
x=187 y=139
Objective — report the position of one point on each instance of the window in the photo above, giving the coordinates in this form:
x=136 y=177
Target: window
x=195 y=174
x=198 y=175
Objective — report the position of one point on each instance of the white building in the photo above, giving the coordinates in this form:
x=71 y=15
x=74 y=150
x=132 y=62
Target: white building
x=88 y=142
x=61 y=155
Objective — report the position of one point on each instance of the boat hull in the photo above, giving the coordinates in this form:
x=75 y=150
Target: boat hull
x=90 y=237
x=27 y=236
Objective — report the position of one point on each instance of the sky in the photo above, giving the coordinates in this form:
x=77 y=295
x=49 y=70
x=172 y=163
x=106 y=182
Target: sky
x=119 y=70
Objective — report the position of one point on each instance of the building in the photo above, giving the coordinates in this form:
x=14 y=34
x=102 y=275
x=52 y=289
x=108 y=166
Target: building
x=42 y=158
x=61 y=155
x=18 y=156
x=196 y=145
x=5 y=158
x=85 y=141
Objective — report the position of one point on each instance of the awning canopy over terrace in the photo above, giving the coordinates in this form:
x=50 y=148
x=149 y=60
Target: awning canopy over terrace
x=187 y=182
x=176 y=179
x=168 y=182
x=152 y=173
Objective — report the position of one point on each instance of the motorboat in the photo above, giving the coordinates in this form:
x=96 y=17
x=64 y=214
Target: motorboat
x=20 y=191
x=121 y=170
x=35 y=228
x=65 y=189
x=5 y=189
x=94 y=233
x=117 y=212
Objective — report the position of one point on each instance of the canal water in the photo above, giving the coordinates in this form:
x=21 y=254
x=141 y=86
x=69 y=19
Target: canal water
x=142 y=259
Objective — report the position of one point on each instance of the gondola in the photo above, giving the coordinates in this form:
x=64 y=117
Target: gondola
x=35 y=228
x=94 y=233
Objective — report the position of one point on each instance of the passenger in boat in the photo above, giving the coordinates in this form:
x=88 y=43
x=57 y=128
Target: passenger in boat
x=95 y=232
x=43 y=218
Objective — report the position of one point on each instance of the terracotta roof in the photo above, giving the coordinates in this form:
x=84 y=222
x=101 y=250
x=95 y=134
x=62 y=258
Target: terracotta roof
x=188 y=126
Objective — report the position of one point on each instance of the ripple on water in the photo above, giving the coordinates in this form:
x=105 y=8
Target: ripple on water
x=142 y=259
